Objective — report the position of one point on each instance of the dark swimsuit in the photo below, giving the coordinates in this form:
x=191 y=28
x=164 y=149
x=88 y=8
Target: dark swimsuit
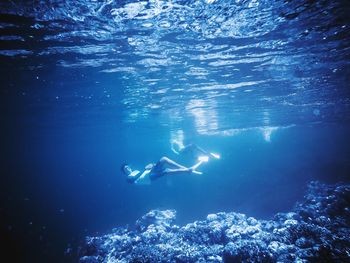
x=156 y=172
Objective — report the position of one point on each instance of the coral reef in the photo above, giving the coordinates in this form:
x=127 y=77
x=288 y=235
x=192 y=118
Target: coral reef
x=317 y=230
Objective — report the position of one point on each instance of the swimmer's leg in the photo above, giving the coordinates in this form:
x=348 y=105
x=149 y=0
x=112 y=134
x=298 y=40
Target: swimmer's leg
x=180 y=171
x=171 y=167
x=165 y=162
x=193 y=148
x=194 y=167
x=196 y=148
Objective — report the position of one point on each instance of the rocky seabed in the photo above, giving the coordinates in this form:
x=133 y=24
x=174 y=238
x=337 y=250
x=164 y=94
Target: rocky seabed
x=316 y=230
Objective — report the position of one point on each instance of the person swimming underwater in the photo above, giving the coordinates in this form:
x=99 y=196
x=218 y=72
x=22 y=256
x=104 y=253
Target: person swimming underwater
x=153 y=171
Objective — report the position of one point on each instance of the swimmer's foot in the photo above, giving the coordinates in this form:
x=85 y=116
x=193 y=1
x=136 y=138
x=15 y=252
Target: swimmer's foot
x=193 y=171
x=203 y=158
x=215 y=155
x=196 y=172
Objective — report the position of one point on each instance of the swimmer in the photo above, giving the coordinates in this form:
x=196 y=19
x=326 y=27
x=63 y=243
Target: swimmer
x=152 y=171
x=194 y=150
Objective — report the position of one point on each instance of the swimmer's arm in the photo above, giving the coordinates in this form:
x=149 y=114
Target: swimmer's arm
x=133 y=178
x=142 y=178
x=149 y=166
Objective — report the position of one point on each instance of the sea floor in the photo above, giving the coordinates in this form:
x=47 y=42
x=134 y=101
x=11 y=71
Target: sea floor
x=316 y=230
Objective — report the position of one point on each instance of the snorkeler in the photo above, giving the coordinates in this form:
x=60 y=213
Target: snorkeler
x=163 y=167
x=193 y=149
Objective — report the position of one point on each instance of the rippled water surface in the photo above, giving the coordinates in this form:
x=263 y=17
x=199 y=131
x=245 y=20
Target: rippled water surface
x=88 y=84
x=219 y=59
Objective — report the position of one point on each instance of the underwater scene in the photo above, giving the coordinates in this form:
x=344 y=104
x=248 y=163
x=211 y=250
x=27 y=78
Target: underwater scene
x=175 y=131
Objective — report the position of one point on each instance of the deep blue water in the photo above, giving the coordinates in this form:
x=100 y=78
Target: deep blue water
x=88 y=85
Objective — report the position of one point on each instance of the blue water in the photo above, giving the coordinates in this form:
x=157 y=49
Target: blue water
x=88 y=85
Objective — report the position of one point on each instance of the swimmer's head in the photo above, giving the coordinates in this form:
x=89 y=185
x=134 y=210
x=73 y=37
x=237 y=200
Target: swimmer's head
x=125 y=168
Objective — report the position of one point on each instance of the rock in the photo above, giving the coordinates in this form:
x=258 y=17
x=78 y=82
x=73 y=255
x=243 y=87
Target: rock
x=290 y=222
x=278 y=248
x=317 y=230
x=89 y=259
x=303 y=242
x=252 y=221
x=212 y=217
x=156 y=217
x=247 y=251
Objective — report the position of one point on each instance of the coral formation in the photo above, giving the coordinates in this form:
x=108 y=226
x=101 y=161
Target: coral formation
x=317 y=230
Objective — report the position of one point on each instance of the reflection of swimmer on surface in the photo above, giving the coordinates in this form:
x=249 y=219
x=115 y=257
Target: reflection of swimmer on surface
x=196 y=151
x=163 y=167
